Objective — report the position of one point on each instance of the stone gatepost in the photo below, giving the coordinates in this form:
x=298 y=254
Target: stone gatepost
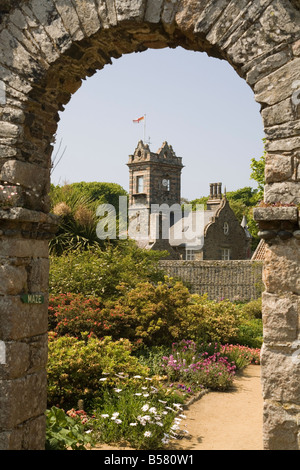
x=280 y=357
x=24 y=268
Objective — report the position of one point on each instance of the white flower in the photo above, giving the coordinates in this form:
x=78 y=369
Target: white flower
x=145 y=407
x=118 y=390
x=115 y=414
x=145 y=395
x=165 y=440
x=103 y=379
x=175 y=427
x=105 y=416
x=144 y=388
x=138 y=394
x=146 y=418
x=132 y=424
x=147 y=434
x=137 y=377
x=182 y=416
x=152 y=410
x=159 y=424
x=88 y=431
x=118 y=421
x=177 y=405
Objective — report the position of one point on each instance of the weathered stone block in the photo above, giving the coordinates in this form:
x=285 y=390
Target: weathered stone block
x=88 y=16
x=282 y=267
x=19 y=320
x=70 y=19
x=266 y=66
x=278 y=113
x=22 y=248
x=13 y=279
x=280 y=427
x=275 y=213
x=38 y=274
x=107 y=12
x=34 y=434
x=284 y=192
x=22 y=399
x=25 y=174
x=48 y=16
x=278 y=85
x=280 y=376
x=17 y=360
x=9 y=130
x=280 y=317
x=283 y=145
x=278 y=168
x=130 y=9
x=153 y=11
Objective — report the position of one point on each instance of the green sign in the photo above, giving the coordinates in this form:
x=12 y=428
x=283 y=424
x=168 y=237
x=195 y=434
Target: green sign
x=32 y=299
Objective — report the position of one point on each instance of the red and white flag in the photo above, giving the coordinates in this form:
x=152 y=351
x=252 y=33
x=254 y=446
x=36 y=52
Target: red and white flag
x=138 y=119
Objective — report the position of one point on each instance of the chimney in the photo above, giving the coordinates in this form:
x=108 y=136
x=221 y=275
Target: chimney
x=215 y=196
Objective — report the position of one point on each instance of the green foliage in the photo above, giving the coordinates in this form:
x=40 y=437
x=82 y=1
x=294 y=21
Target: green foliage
x=252 y=309
x=75 y=367
x=101 y=193
x=63 y=432
x=142 y=415
x=99 y=272
x=250 y=333
x=258 y=171
x=76 y=204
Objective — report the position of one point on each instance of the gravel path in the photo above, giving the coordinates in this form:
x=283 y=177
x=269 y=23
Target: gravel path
x=224 y=420
x=227 y=421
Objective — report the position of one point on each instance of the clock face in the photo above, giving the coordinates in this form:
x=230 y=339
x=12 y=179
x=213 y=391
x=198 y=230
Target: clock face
x=226 y=228
x=165 y=182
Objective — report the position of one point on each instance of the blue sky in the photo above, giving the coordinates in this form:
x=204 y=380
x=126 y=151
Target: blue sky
x=198 y=104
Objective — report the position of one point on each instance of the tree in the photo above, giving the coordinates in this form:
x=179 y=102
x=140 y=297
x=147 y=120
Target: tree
x=258 y=171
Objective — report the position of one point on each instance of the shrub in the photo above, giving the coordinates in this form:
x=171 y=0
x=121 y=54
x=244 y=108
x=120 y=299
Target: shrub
x=142 y=415
x=241 y=355
x=252 y=309
x=250 y=333
x=198 y=370
x=73 y=314
x=99 y=272
x=76 y=366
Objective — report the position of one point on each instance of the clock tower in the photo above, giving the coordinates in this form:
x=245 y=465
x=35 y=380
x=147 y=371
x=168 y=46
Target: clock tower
x=154 y=179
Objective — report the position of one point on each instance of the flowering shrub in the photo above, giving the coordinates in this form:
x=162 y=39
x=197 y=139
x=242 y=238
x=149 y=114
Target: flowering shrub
x=75 y=367
x=213 y=372
x=145 y=416
x=241 y=355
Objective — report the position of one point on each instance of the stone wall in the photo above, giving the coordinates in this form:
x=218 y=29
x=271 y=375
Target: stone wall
x=47 y=47
x=233 y=280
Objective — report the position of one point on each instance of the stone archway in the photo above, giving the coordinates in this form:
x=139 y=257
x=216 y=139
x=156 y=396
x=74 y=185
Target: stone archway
x=46 y=48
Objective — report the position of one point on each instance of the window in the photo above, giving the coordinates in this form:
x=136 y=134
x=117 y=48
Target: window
x=226 y=228
x=140 y=184
x=190 y=255
x=225 y=254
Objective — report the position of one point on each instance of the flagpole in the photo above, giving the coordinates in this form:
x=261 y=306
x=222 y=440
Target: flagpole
x=145 y=129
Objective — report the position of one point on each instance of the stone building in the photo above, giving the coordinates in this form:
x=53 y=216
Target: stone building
x=158 y=221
